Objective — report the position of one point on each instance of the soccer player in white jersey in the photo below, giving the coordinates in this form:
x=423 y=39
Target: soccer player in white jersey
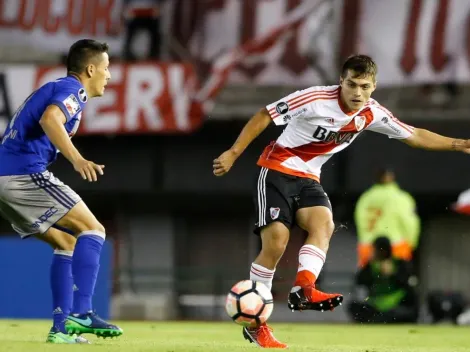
x=321 y=121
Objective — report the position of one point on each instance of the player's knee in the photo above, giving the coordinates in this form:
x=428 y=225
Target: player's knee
x=329 y=228
x=67 y=243
x=275 y=238
x=93 y=228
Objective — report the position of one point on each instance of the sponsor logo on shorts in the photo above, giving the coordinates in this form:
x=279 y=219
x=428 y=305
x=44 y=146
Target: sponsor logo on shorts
x=44 y=217
x=274 y=212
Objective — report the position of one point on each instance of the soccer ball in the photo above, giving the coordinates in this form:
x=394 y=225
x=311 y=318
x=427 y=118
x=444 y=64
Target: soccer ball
x=249 y=303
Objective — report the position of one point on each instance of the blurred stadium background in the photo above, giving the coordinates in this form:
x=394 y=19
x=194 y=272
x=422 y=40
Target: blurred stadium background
x=180 y=237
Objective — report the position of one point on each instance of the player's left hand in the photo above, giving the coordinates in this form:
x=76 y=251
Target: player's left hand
x=466 y=147
x=224 y=163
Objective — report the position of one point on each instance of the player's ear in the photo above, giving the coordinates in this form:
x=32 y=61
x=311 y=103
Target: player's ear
x=90 y=70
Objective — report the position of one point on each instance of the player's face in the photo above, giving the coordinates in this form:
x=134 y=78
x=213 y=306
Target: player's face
x=100 y=76
x=355 y=91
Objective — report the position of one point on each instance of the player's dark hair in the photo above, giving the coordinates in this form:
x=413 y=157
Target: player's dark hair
x=82 y=52
x=361 y=65
x=382 y=173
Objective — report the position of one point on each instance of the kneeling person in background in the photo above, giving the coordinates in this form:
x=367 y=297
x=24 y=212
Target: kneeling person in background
x=387 y=282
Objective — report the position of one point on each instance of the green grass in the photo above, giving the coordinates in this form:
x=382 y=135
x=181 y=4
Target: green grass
x=28 y=335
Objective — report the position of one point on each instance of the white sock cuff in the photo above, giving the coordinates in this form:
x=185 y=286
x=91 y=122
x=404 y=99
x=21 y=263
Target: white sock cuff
x=261 y=270
x=313 y=250
x=93 y=233
x=62 y=252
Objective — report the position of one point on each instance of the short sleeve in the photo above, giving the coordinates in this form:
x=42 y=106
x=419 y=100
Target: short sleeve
x=294 y=105
x=385 y=123
x=68 y=100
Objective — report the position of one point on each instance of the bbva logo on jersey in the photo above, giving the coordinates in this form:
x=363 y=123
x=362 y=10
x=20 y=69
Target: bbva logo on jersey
x=324 y=135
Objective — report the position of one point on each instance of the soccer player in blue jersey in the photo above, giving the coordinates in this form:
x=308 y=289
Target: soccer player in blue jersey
x=37 y=204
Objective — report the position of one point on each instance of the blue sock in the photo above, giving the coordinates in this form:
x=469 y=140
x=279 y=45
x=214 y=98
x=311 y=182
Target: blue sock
x=61 y=286
x=85 y=266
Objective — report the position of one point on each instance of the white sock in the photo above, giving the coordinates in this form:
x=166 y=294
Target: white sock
x=261 y=274
x=311 y=258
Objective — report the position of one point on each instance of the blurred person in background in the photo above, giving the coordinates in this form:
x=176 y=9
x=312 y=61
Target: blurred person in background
x=142 y=16
x=385 y=209
x=462 y=207
x=385 y=288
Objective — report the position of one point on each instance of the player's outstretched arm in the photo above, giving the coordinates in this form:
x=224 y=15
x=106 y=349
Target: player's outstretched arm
x=52 y=122
x=252 y=129
x=425 y=139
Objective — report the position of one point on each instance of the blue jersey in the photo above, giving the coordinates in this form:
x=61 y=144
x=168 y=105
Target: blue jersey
x=25 y=148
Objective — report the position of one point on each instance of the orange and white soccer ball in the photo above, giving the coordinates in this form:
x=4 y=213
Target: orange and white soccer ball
x=249 y=303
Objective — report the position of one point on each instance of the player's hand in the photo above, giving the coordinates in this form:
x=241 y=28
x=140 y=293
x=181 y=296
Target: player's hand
x=224 y=162
x=466 y=146
x=88 y=169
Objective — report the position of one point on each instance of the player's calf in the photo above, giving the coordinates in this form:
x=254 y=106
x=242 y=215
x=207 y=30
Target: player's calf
x=85 y=266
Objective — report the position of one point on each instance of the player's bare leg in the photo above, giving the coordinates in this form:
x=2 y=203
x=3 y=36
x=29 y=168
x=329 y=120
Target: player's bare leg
x=61 y=282
x=318 y=222
x=274 y=238
x=85 y=265
x=58 y=239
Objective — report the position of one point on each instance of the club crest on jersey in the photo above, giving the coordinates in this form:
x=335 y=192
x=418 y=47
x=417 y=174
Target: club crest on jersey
x=82 y=95
x=274 y=212
x=282 y=108
x=360 y=122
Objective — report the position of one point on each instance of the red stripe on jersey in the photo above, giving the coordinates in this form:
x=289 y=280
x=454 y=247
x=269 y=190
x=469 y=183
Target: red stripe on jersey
x=405 y=126
x=306 y=96
x=305 y=102
x=312 y=99
x=309 y=94
x=274 y=154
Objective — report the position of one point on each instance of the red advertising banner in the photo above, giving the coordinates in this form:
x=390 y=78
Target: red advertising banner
x=140 y=98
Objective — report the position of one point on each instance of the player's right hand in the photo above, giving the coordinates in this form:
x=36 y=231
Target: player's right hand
x=224 y=163
x=88 y=169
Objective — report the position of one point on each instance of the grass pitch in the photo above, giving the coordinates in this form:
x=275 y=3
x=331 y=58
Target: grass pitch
x=29 y=335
